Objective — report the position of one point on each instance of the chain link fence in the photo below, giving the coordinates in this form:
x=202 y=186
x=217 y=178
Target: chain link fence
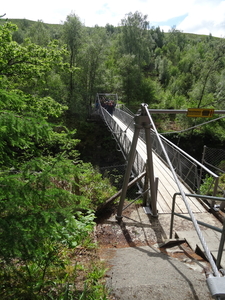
x=214 y=159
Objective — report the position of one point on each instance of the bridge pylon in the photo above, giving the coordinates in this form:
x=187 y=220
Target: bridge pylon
x=141 y=121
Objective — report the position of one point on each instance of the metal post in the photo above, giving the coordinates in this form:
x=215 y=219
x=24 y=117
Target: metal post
x=131 y=157
x=172 y=215
x=221 y=246
x=215 y=187
x=145 y=196
x=140 y=121
x=203 y=159
x=151 y=170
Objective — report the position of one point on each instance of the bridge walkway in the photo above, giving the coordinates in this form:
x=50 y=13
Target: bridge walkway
x=167 y=187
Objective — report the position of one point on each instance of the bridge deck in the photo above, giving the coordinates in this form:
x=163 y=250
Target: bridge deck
x=166 y=189
x=167 y=186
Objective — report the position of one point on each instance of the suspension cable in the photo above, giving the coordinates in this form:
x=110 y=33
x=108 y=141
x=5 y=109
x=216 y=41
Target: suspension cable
x=193 y=127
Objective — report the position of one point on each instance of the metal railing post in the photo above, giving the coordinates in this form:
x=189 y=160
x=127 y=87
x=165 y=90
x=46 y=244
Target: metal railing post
x=221 y=246
x=172 y=215
x=216 y=186
x=202 y=163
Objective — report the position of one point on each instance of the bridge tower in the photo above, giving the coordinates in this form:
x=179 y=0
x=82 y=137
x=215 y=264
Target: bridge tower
x=141 y=121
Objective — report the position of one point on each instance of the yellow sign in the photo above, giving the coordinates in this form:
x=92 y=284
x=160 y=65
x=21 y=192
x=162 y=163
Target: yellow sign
x=200 y=112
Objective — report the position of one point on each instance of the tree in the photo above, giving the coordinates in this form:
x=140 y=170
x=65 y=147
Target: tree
x=21 y=64
x=136 y=39
x=39 y=34
x=209 y=66
x=92 y=59
x=46 y=202
x=130 y=77
x=72 y=34
x=158 y=36
x=162 y=66
x=176 y=37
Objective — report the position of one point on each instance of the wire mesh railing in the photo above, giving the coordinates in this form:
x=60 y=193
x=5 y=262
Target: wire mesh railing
x=124 y=142
x=185 y=167
x=190 y=171
x=125 y=116
x=214 y=158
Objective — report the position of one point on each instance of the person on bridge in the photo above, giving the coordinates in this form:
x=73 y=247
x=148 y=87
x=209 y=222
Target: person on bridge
x=111 y=106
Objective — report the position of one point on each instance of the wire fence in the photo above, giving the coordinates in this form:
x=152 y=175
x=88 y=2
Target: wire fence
x=214 y=159
x=116 y=173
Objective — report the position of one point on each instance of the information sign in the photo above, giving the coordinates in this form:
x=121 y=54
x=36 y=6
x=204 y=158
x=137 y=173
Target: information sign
x=200 y=112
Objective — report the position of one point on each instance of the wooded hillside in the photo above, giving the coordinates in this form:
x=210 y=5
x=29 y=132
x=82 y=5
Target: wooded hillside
x=49 y=77
x=138 y=62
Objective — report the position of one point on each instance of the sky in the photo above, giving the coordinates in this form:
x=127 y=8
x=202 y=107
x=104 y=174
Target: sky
x=190 y=16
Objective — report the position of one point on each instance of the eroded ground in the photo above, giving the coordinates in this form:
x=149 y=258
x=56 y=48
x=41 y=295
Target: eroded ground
x=138 y=229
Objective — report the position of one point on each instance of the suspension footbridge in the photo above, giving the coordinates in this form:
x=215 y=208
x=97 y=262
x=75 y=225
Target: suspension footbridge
x=169 y=182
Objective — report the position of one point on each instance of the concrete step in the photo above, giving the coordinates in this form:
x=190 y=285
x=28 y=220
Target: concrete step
x=212 y=239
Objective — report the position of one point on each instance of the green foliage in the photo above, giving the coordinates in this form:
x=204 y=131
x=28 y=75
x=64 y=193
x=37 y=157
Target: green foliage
x=40 y=215
x=48 y=196
x=25 y=131
x=206 y=186
x=39 y=33
x=72 y=34
x=94 y=187
x=92 y=58
x=221 y=166
x=130 y=76
x=27 y=60
x=135 y=39
x=163 y=69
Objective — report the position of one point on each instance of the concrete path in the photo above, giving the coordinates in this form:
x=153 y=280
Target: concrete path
x=140 y=269
x=141 y=273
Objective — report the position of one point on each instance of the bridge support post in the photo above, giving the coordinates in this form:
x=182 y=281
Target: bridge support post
x=140 y=121
x=153 y=182
x=129 y=167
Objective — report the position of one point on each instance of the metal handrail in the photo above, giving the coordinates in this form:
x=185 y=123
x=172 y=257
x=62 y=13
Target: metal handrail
x=207 y=252
x=222 y=231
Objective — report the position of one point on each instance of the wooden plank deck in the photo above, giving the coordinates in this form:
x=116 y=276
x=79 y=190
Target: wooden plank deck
x=167 y=186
